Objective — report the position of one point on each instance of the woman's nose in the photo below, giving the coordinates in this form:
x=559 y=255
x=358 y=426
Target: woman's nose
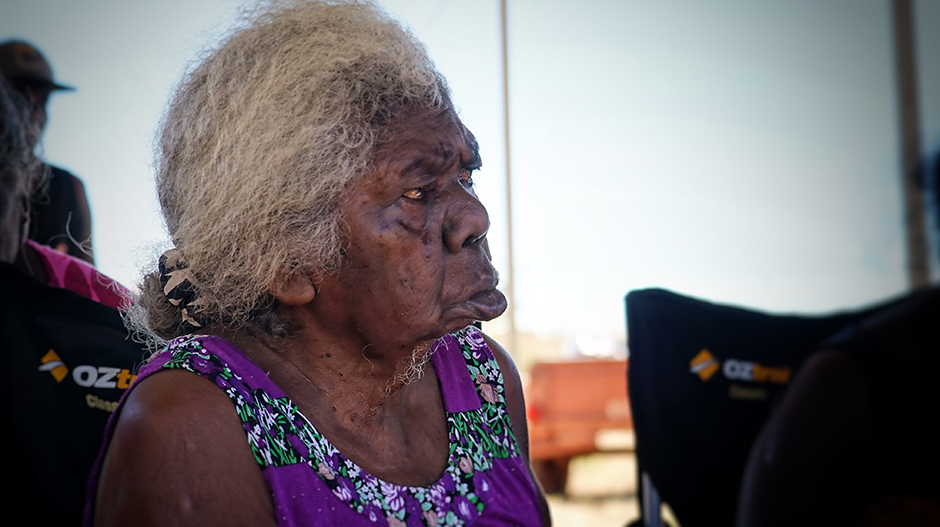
x=467 y=221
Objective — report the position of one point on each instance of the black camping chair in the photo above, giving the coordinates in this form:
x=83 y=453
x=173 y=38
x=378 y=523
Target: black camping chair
x=702 y=380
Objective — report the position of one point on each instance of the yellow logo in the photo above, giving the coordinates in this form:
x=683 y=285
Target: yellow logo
x=704 y=365
x=54 y=365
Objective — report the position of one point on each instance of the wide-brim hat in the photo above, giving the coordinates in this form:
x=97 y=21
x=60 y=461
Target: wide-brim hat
x=22 y=62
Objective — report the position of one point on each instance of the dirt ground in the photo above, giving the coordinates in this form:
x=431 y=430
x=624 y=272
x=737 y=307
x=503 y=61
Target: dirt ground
x=601 y=492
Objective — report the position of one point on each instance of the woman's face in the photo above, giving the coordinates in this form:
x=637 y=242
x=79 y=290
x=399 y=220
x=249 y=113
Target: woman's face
x=418 y=264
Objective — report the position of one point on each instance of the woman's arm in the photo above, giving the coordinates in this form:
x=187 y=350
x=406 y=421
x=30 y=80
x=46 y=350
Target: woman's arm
x=515 y=401
x=179 y=457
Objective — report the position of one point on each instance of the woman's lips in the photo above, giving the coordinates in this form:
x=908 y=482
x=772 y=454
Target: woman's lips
x=486 y=305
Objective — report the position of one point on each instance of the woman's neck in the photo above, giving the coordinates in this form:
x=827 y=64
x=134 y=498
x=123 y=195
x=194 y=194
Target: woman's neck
x=394 y=430
x=345 y=371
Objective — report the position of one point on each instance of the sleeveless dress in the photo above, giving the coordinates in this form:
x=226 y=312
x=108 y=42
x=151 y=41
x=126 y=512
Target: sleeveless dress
x=486 y=481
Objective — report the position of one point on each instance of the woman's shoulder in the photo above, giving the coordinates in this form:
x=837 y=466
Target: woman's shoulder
x=168 y=399
x=172 y=403
x=173 y=424
x=210 y=357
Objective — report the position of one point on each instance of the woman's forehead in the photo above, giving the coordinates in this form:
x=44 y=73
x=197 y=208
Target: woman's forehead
x=428 y=136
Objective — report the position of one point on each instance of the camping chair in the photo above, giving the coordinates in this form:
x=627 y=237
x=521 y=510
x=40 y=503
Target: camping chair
x=702 y=379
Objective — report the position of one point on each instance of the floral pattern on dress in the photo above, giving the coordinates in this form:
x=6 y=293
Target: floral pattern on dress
x=279 y=434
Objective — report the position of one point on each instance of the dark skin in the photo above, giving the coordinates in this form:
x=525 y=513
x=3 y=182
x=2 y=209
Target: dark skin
x=417 y=267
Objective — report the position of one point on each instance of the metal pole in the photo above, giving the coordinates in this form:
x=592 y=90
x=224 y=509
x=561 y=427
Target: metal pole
x=912 y=177
x=509 y=289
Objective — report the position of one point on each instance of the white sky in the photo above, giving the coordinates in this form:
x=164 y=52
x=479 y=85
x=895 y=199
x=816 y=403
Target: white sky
x=741 y=151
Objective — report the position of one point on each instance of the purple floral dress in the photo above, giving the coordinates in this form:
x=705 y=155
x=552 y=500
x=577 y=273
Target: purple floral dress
x=486 y=482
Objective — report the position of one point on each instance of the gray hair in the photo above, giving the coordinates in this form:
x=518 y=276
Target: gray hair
x=20 y=171
x=260 y=141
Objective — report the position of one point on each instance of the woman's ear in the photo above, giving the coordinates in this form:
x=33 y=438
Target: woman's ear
x=294 y=289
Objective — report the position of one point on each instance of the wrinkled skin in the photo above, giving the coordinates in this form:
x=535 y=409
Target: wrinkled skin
x=418 y=263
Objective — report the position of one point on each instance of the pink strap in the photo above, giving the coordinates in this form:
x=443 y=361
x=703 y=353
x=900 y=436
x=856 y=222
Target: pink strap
x=68 y=272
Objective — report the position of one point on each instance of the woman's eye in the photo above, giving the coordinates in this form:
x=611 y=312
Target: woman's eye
x=466 y=177
x=416 y=193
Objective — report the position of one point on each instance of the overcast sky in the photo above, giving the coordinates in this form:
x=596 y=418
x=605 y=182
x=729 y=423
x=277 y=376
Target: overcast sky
x=741 y=151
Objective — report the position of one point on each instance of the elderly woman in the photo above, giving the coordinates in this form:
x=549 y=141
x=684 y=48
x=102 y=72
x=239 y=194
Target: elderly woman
x=317 y=185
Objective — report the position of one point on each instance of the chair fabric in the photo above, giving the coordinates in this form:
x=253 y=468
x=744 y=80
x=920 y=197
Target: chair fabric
x=65 y=361
x=702 y=380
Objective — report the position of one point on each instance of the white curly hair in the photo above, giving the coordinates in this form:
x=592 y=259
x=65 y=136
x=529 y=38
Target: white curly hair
x=259 y=142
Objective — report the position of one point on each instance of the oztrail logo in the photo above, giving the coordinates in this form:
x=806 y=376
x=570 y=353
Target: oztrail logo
x=54 y=365
x=705 y=365
x=87 y=376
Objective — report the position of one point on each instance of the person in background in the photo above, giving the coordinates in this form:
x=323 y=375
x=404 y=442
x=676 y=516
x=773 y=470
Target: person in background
x=61 y=217
x=329 y=260
x=65 y=355
x=854 y=439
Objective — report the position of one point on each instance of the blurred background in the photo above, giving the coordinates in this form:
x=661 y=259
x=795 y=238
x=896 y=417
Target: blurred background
x=747 y=152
